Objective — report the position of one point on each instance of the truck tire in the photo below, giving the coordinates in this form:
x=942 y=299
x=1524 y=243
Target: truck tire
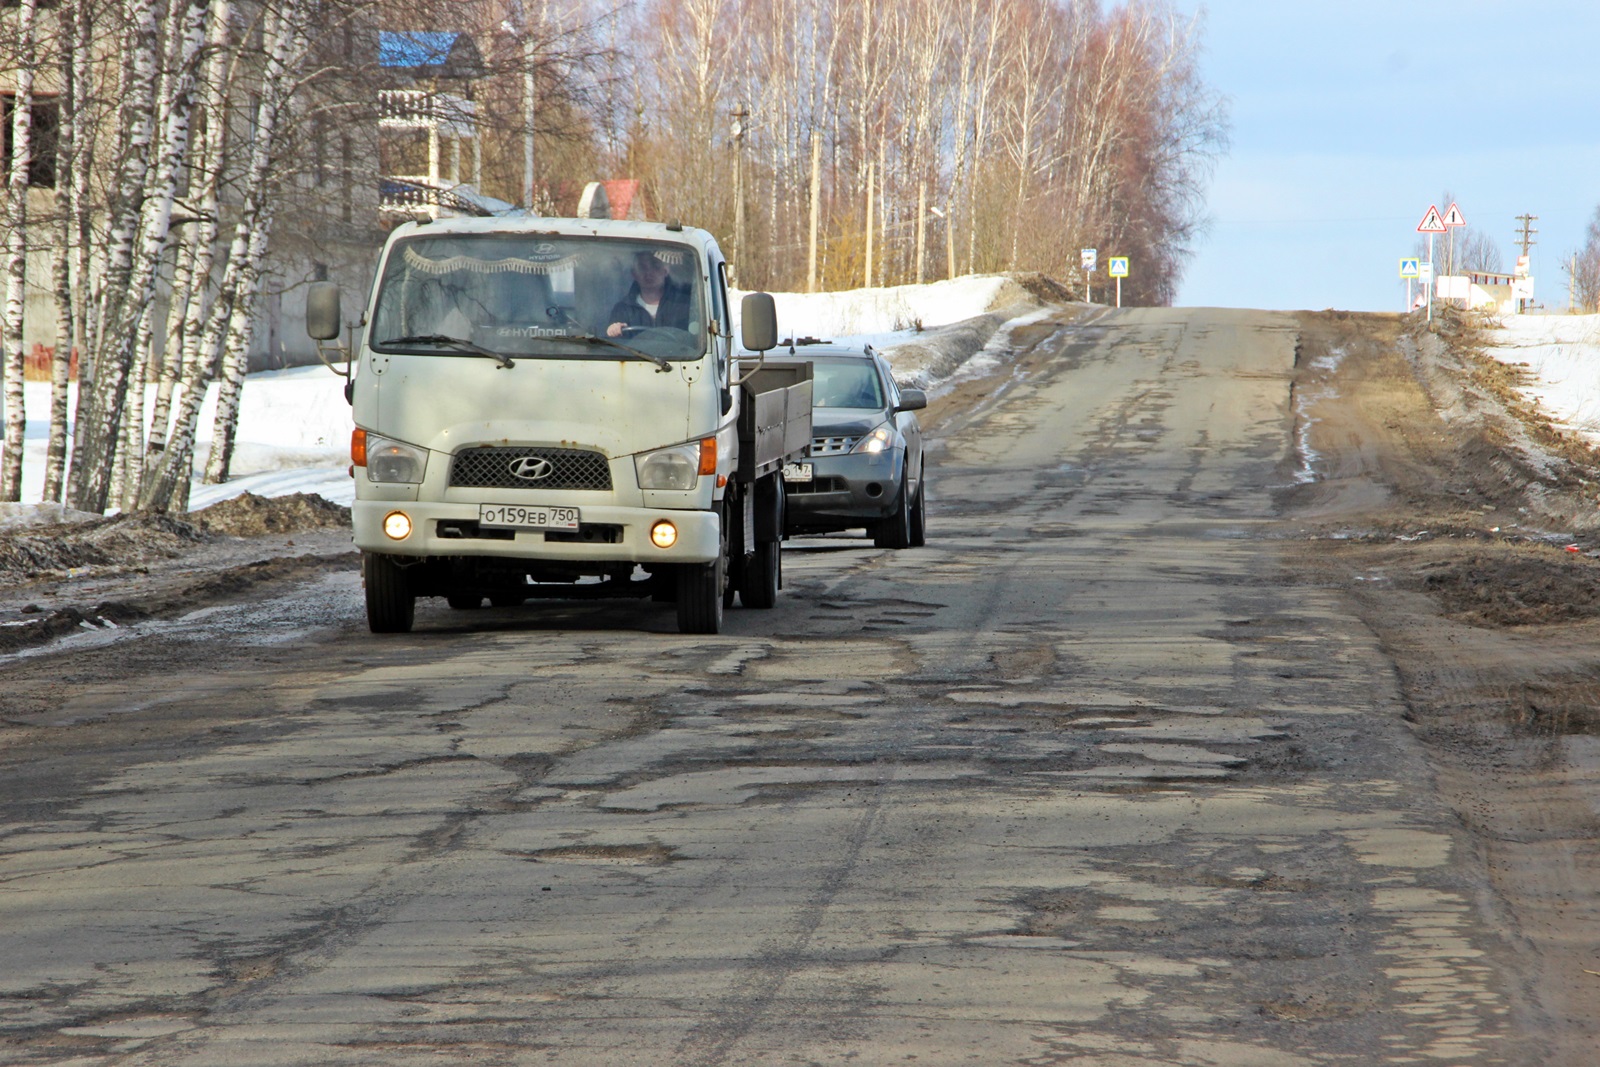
x=895 y=530
x=761 y=573
x=701 y=588
x=391 y=605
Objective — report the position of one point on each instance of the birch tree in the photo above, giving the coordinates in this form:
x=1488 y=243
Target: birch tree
x=286 y=32
x=16 y=252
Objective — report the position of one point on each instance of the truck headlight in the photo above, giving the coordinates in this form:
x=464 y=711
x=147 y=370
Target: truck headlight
x=394 y=461
x=677 y=467
x=880 y=439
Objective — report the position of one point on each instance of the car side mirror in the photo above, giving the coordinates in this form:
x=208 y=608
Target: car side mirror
x=912 y=399
x=758 y=322
x=322 y=311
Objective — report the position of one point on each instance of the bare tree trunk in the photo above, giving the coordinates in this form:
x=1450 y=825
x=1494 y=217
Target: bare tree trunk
x=16 y=255
x=55 y=457
x=251 y=235
x=196 y=257
x=137 y=240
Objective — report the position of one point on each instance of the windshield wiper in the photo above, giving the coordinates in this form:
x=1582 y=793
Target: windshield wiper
x=459 y=344
x=594 y=340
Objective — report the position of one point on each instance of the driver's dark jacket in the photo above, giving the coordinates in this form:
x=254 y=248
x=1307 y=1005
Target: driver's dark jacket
x=672 y=311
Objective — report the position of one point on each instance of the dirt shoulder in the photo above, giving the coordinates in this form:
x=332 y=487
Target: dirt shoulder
x=1462 y=528
x=59 y=577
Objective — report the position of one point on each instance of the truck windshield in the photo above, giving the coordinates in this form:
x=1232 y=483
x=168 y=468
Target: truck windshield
x=541 y=296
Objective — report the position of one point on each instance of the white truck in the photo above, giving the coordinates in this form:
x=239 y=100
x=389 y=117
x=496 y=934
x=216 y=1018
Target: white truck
x=556 y=408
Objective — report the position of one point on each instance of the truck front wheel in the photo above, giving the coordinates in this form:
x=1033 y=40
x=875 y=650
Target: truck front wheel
x=391 y=605
x=701 y=587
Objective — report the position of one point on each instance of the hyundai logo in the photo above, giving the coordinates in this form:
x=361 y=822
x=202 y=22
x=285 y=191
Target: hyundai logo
x=531 y=468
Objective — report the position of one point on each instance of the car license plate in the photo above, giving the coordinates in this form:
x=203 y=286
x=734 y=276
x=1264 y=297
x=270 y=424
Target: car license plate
x=520 y=517
x=797 y=472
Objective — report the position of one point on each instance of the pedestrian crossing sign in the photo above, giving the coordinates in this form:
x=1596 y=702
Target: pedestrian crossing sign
x=1117 y=266
x=1410 y=267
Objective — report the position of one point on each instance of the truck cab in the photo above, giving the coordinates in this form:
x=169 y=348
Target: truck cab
x=553 y=408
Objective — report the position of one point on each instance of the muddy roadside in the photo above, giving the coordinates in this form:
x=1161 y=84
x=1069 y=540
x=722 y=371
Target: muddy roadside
x=60 y=577
x=1465 y=531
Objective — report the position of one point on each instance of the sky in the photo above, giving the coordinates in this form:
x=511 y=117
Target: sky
x=1349 y=118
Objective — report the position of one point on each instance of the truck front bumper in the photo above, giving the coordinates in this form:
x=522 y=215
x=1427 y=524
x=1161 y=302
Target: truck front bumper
x=605 y=534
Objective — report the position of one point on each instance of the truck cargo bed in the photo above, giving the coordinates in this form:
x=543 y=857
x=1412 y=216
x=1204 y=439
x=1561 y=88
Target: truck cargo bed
x=774 y=418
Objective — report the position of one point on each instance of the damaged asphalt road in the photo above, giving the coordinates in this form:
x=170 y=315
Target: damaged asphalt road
x=1142 y=760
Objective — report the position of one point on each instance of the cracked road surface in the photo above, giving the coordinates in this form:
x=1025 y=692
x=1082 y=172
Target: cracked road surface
x=1090 y=779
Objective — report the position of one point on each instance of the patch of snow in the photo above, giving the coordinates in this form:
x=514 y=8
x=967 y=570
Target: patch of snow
x=1561 y=354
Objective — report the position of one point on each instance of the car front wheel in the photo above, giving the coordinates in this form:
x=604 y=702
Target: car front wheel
x=895 y=529
x=919 y=518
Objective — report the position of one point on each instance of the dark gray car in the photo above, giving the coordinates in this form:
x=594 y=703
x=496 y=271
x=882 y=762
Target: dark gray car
x=864 y=467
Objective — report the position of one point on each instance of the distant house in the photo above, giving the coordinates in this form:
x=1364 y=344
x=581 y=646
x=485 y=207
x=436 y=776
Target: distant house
x=430 y=152
x=1493 y=291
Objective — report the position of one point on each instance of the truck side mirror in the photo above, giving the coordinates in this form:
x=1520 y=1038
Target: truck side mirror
x=322 y=311
x=758 y=322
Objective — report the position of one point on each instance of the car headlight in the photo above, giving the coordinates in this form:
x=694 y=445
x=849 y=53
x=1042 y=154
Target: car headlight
x=879 y=439
x=676 y=467
x=394 y=461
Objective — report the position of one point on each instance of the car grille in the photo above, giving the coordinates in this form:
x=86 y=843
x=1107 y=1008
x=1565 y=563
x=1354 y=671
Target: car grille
x=832 y=446
x=490 y=468
x=816 y=485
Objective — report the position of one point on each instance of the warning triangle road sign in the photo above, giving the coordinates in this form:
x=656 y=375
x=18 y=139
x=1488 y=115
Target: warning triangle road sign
x=1453 y=217
x=1432 y=222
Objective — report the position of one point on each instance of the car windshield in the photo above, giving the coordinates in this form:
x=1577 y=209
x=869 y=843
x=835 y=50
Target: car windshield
x=846 y=384
x=540 y=295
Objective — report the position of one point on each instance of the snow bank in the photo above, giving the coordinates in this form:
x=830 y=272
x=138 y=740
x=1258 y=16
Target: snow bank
x=1562 y=356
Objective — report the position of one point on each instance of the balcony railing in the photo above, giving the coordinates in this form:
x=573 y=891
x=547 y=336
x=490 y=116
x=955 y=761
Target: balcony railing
x=416 y=109
x=413 y=195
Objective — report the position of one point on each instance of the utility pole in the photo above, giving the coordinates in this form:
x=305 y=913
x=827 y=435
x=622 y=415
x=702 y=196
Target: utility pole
x=922 y=230
x=739 y=115
x=1525 y=239
x=816 y=202
x=866 y=272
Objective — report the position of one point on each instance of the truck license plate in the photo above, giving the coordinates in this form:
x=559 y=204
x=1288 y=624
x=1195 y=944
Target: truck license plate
x=797 y=472
x=520 y=517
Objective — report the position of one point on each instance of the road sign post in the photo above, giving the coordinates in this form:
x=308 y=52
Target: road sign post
x=1117 y=267
x=1452 y=219
x=1431 y=223
x=1410 y=269
x=1089 y=257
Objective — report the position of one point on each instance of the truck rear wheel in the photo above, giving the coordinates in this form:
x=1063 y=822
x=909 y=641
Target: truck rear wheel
x=391 y=605
x=761 y=573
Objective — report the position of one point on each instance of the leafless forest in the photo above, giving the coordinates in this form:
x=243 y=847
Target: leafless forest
x=162 y=155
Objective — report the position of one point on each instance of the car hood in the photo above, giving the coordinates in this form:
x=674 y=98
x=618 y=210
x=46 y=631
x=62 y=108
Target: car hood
x=845 y=422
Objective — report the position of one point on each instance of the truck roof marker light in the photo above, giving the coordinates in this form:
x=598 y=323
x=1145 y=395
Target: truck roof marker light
x=708 y=455
x=358 y=447
x=397 y=525
x=664 y=534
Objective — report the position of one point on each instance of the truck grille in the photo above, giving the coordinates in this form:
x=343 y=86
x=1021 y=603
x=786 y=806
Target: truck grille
x=541 y=468
x=832 y=446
